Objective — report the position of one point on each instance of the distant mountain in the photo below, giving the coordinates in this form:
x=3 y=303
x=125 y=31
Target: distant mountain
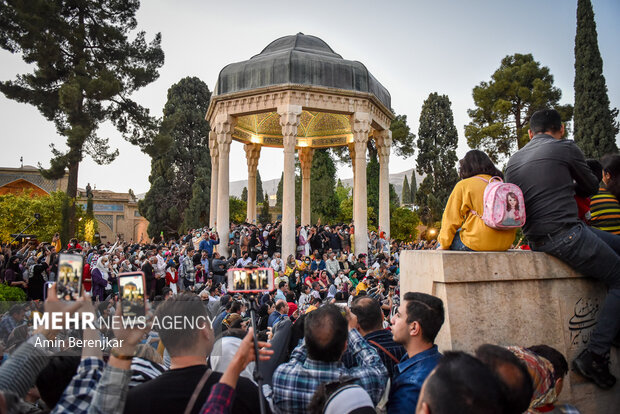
x=271 y=186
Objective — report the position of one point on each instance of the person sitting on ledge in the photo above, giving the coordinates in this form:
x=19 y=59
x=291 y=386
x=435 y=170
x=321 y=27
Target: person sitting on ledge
x=461 y=227
x=551 y=170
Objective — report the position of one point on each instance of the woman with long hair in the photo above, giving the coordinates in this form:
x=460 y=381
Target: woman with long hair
x=604 y=207
x=461 y=229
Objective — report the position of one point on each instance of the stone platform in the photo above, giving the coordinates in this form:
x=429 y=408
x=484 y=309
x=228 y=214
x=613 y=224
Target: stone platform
x=515 y=298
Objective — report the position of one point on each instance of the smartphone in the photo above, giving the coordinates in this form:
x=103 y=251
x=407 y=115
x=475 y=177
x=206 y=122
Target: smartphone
x=131 y=287
x=46 y=287
x=70 y=269
x=250 y=280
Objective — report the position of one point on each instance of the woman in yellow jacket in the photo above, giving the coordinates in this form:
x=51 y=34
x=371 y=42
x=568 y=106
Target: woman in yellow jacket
x=460 y=228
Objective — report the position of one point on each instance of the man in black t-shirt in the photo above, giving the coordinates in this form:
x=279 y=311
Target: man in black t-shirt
x=188 y=349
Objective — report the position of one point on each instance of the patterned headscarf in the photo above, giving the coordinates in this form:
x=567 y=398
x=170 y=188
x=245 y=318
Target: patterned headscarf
x=541 y=371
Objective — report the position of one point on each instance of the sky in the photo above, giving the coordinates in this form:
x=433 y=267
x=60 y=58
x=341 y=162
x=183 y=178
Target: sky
x=413 y=47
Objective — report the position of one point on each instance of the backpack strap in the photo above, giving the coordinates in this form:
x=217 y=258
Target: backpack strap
x=388 y=353
x=192 y=401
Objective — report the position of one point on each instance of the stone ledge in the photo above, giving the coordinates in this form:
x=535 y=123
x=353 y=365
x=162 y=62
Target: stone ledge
x=514 y=298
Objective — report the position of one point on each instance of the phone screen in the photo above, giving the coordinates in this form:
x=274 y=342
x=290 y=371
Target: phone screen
x=70 y=268
x=133 y=297
x=250 y=280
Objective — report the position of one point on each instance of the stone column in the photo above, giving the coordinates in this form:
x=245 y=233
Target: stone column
x=224 y=126
x=305 y=158
x=214 y=151
x=252 y=154
x=289 y=120
x=361 y=129
x=384 y=144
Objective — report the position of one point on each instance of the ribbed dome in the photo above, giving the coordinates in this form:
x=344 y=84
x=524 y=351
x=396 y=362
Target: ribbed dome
x=301 y=60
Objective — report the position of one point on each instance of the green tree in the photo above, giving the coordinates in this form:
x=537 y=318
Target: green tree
x=238 y=210
x=372 y=185
x=394 y=200
x=595 y=127
x=279 y=192
x=437 y=144
x=342 y=192
x=259 y=188
x=264 y=216
x=85 y=70
x=180 y=156
x=504 y=105
x=414 y=187
x=244 y=194
x=406 y=193
x=403 y=224
x=18 y=212
x=324 y=203
x=197 y=214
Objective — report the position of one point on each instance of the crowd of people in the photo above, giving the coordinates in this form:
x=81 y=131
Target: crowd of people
x=334 y=334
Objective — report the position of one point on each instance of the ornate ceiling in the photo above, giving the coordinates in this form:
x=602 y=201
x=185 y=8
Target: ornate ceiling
x=316 y=129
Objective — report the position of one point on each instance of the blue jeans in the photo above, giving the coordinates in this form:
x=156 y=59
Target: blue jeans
x=457 y=243
x=596 y=254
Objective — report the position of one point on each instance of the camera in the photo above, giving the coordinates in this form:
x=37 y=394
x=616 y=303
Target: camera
x=37 y=216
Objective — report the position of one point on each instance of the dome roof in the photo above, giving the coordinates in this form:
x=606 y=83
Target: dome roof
x=300 y=60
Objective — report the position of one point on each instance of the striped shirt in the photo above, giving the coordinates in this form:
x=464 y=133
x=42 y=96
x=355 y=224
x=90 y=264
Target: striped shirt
x=605 y=211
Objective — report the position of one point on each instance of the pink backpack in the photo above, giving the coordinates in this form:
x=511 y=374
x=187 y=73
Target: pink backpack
x=504 y=207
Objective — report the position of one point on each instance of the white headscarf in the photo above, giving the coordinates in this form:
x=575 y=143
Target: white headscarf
x=223 y=352
x=103 y=268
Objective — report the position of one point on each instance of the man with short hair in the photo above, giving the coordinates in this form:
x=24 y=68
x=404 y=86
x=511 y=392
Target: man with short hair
x=332 y=266
x=278 y=314
x=317 y=361
x=415 y=326
x=512 y=372
x=460 y=384
x=370 y=326
x=210 y=240
x=14 y=317
x=550 y=171
x=188 y=349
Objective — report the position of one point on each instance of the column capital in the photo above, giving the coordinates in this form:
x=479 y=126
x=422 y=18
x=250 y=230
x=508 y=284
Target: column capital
x=289 y=121
x=224 y=127
x=252 y=155
x=383 y=140
x=360 y=124
x=213 y=149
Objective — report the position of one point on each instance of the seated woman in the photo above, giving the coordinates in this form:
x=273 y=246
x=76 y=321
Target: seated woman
x=460 y=228
x=604 y=207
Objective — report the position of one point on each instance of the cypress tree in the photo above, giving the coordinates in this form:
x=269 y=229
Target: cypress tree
x=259 y=188
x=244 y=194
x=264 y=216
x=406 y=193
x=595 y=127
x=279 y=192
x=372 y=185
x=414 y=187
x=324 y=203
x=437 y=142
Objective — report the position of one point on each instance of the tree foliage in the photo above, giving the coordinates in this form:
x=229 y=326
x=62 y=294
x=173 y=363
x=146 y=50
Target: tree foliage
x=18 y=212
x=403 y=224
x=437 y=144
x=259 y=188
x=323 y=200
x=394 y=199
x=180 y=158
x=595 y=123
x=406 y=192
x=414 y=187
x=237 y=209
x=342 y=192
x=504 y=105
x=264 y=216
x=244 y=194
x=279 y=191
x=372 y=185
x=85 y=70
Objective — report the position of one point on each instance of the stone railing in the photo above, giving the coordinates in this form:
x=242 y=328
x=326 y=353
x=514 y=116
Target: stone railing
x=514 y=298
